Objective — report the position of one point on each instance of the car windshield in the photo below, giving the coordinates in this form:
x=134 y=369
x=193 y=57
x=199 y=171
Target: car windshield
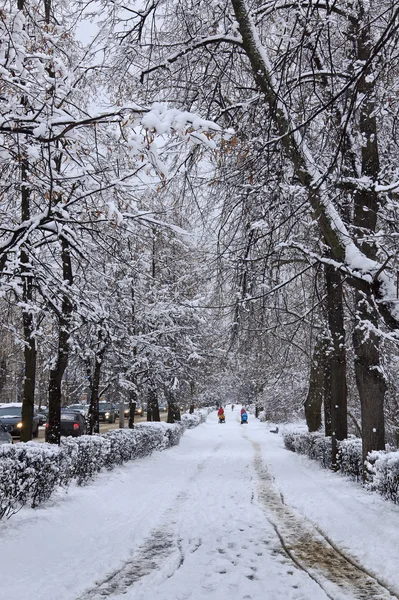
x=104 y=405
x=77 y=406
x=11 y=411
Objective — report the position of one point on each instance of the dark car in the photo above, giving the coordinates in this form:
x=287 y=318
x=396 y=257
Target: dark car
x=82 y=408
x=73 y=423
x=42 y=418
x=106 y=412
x=11 y=418
x=5 y=436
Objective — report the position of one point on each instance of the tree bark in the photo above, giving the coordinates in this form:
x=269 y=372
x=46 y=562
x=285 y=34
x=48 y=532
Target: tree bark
x=30 y=351
x=314 y=399
x=94 y=379
x=369 y=377
x=154 y=405
x=192 y=389
x=327 y=397
x=132 y=408
x=56 y=374
x=337 y=359
x=173 y=407
x=370 y=380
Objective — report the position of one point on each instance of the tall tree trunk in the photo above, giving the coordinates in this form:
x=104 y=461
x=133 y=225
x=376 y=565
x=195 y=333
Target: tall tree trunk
x=369 y=378
x=94 y=380
x=337 y=359
x=132 y=407
x=3 y=373
x=327 y=396
x=192 y=389
x=152 y=405
x=314 y=399
x=57 y=373
x=173 y=406
x=133 y=392
x=30 y=351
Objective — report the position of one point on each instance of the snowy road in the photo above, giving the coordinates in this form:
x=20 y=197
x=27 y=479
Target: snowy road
x=229 y=514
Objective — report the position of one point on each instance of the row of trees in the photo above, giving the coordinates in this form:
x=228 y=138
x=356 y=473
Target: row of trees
x=308 y=228
x=285 y=287
x=93 y=257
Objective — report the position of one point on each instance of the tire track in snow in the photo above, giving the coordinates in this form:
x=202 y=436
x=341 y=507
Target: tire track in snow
x=161 y=546
x=311 y=550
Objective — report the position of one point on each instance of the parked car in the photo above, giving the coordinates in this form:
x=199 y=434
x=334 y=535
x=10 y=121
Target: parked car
x=42 y=418
x=106 y=412
x=5 y=436
x=73 y=423
x=11 y=417
x=83 y=408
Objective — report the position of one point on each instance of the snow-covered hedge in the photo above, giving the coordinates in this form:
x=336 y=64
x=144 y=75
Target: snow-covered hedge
x=318 y=447
x=190 y=421
x=349 y=459
x=29 y=473
x=381 y=468
x=314 y=445
x=383 y=474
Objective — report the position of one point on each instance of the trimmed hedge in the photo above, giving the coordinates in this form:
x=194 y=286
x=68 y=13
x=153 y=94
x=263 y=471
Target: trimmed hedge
x=191 y=421
x=29 y=473
x=383 y=474
x=381 y=468
x=314 y=445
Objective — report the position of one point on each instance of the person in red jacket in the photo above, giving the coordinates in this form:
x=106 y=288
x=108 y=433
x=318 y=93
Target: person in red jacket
x=243 y=410
x=220 y=411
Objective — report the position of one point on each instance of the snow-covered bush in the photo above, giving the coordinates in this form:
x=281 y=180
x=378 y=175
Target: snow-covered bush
x=382 y=470
x=262 y=416
x=190 y=421
x=30 y=472
x=349 y=459
x=315 y=445
x=88 y=454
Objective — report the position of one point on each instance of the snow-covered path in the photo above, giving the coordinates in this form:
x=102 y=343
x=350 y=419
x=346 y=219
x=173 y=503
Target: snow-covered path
x=228 y=514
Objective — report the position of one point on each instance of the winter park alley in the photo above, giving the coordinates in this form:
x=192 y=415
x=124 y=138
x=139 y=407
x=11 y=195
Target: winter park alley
x=229 y=514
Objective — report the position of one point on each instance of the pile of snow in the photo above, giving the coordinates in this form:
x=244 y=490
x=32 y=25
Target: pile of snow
x=29 y=473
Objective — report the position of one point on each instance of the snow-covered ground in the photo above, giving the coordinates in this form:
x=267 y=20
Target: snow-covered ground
x=229 y=514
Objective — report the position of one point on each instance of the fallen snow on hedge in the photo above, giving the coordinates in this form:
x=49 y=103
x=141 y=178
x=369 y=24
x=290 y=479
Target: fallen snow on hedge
x=29 y=473
x=381 y=468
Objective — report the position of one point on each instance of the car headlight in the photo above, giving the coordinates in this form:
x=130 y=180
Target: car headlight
x=19 y=425
x=140 y=410
x=107 y=414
